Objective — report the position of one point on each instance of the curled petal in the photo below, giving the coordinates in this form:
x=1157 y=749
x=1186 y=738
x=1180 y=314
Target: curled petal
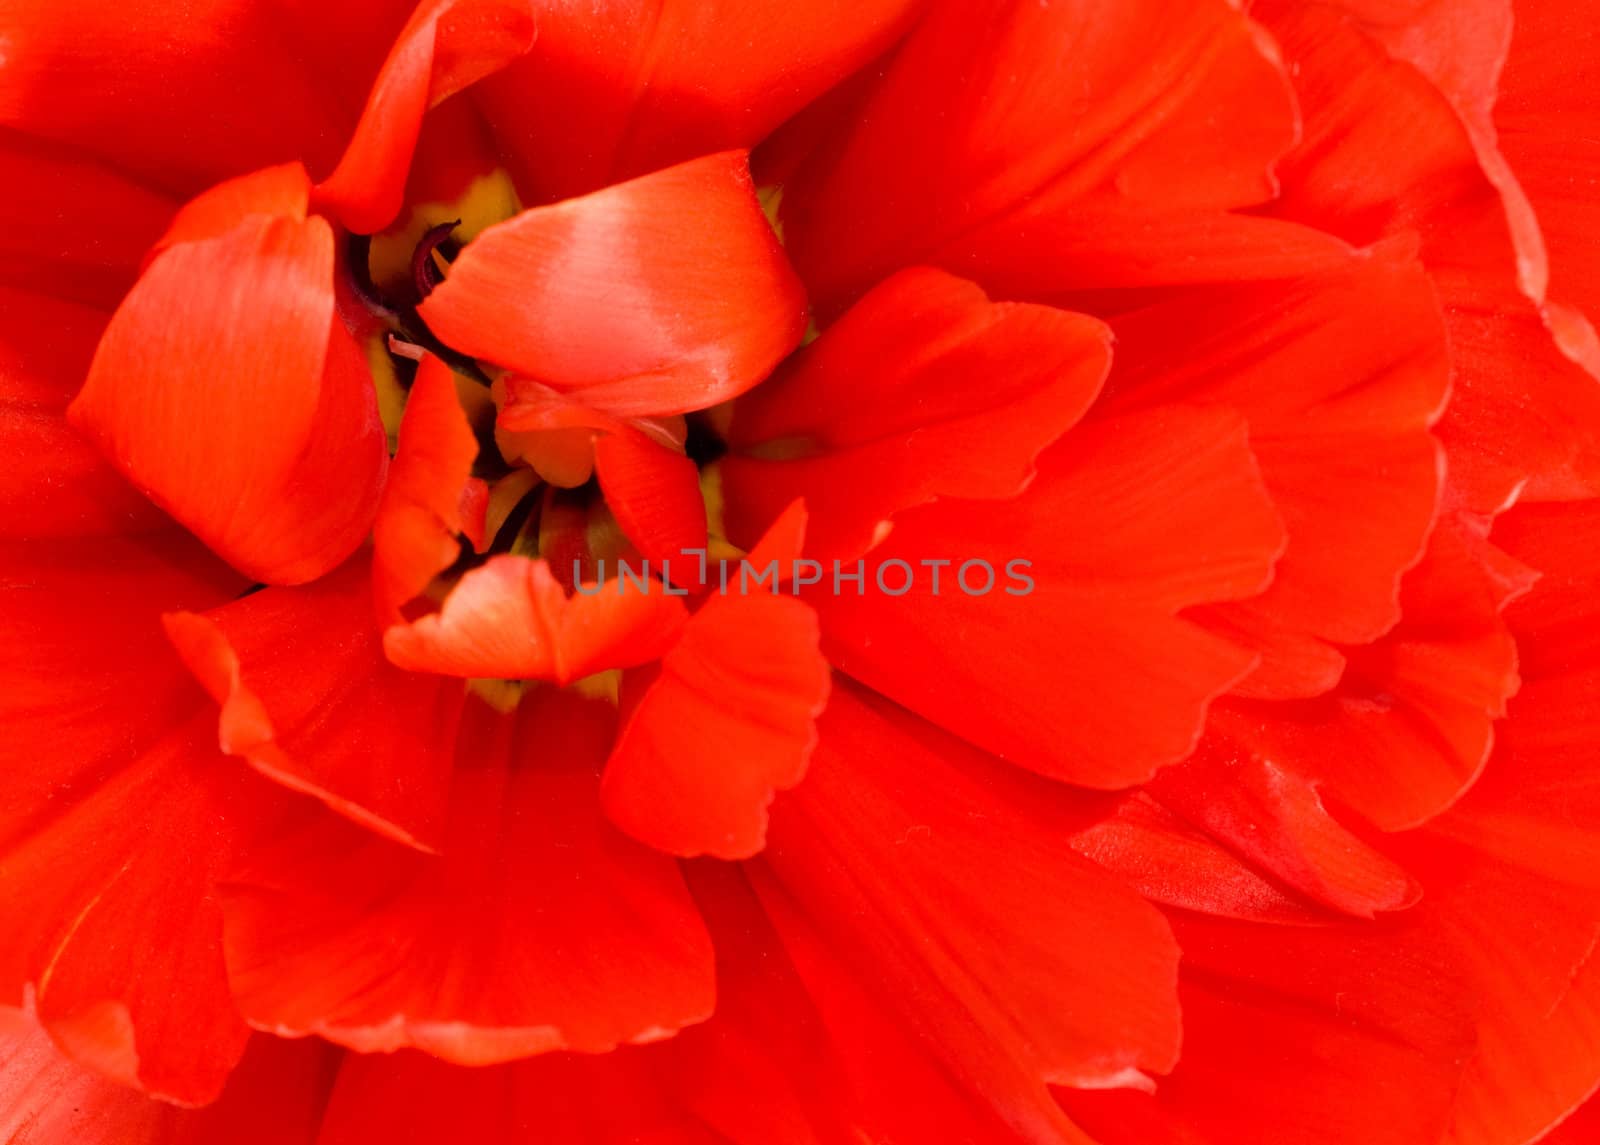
x=924 y=389
x=227 y=389
x=448 y=45
x=421 y=516
x=662 y=295
x=308 y=697
x=511 y=619
x=730 y=721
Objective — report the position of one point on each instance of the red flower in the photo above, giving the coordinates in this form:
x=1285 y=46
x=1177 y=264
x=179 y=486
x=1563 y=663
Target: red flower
x=903 y=571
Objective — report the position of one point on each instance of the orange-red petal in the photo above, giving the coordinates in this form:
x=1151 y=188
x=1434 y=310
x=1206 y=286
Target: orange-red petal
x=661 y=295
x=537 y=928
x=511 y=619
x=227 y=389
x=924 y=389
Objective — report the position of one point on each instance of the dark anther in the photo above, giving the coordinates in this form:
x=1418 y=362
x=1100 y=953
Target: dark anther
x=425 y=273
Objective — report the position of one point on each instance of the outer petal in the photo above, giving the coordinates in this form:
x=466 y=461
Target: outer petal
x=226 y=389
x=1385 y=152
x=69 y=227
x=309 y=698
x=539 y=928
x=1411 y=723
x=729 y=722
x=511 y=619
x=446 y=46
x=921 y=862
x=661 y=295
x=924 y=389
x=1089 y=675
x=1547 y=131
x=275 y=1097
x=178 y=103
x=1301 y=1036
x=1087 y=130
x=1340 y=377
x=417 y=532
x=109 y=909
x=54 y=483
x=621 y=87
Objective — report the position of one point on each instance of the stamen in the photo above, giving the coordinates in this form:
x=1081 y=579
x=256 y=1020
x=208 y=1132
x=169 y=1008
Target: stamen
x=425 y=273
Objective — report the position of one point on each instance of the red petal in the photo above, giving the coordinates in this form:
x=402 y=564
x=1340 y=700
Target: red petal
x=730 y=721
x=654 y=492
x=1384 y=153
x=420 y=519
x=85 y=672
x=309 y=698
x=1275 y=819
x=448 y=45
x=1340 y=377
x=1172 y=863
x=1548 y=130
x=539 y=928
x=54 y=484
x=226 y=389
x=924 y=389
x=1092 y=675
x=1065 y=129
x=182 y=103
x=1579 y=1129
x=756 y=1072
x=662 y=295
x=921 y=862
x=277 y=192
x=109 y=910
x=510 y=619
x=1410 y=725
x=1301 y=1036
x=275 y=1097
x=615 y=89
x=69 y=227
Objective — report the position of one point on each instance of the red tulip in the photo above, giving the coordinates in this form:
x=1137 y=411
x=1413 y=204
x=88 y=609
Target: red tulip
x=904 y=571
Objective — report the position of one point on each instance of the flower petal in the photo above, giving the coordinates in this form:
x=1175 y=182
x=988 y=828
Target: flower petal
x=55 y=484
x=618 y=88
x=109 y=910
x=654 y=492
x=924 y=389
x=447 y=46
x=226 y=389
x=920 y=861
x=662 y=295
x=163 y=99
x=538 y=928
x=275 y=1097
x=1301 y=1036
x=1077 y=664
x=1004 y=129
x=510 y=619
x=417 y=533
x=1386 y=153
x=308 y=697
x=729 y=722
x=1340 y=377
x=70 y=228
